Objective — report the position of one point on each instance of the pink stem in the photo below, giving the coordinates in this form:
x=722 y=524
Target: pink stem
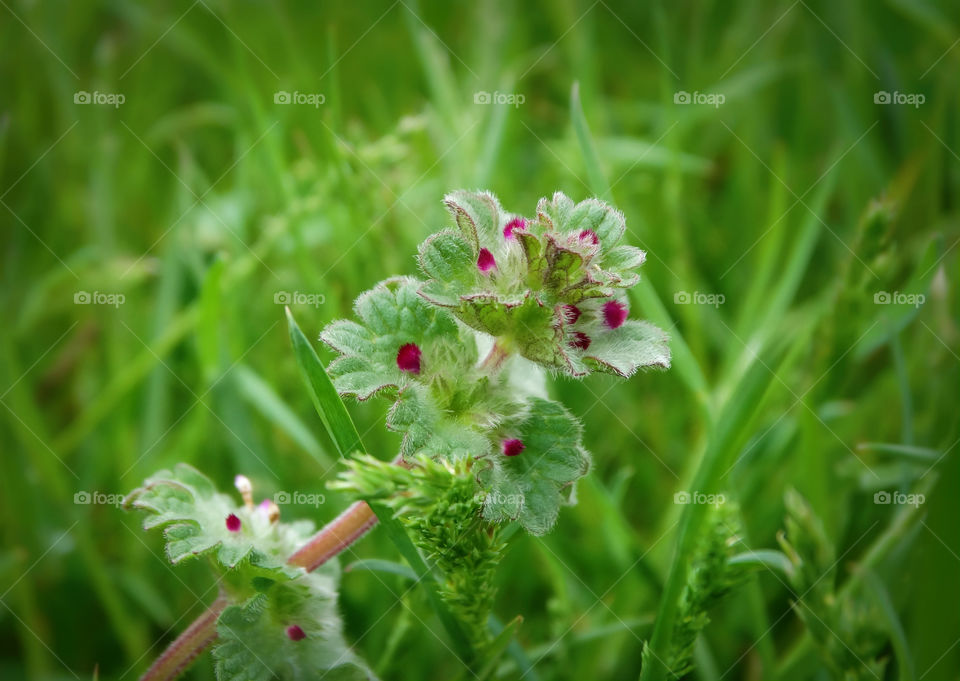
x=187 y=646
x=347 y=528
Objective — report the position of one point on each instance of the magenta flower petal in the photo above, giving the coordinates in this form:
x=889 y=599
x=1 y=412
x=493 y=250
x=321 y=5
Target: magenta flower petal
x=580 y=340
x=512 y=447
x=408 y=358
x=614 y=314
x=233 y=523
x=516 y=223
x=571 y=313
x=589 y=235
x=485 y=261
x=295 y=633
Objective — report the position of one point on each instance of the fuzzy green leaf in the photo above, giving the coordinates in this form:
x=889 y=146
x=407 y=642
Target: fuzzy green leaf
x=194 y=515
x=531 y=486
x=623 y=350
x=253 y=644
x=393 y=315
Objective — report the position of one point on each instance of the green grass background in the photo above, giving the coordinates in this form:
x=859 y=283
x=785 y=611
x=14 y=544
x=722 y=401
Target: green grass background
x=797 y=200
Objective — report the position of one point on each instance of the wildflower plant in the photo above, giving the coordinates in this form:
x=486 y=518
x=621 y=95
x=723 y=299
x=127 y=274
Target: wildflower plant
x=460 y=354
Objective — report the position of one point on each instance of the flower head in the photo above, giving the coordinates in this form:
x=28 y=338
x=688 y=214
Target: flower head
x=296 y=633
x=580 y=340
x=512 y=447
x=408 y=358
x=485 y=261
x=614 y=314
x=516 y=223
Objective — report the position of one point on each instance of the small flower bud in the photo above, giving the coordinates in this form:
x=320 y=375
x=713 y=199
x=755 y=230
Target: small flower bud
x=295 y=633
x=245 y=487
x=614 y=314
x=408 y=358
x=512 y=447
x=589 y=235
x=516 y=223
x=271 y=510
x=580 y=340
x=571 y=313
x=485 y=261
x=233 y=523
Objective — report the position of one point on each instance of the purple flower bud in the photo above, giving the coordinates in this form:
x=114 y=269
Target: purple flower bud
x=571 y=313
x=516 y=223
x=614 y=314
x=580 y=341
x=233 y=523
x=408 y=358
x=485 y=261
x=589 y=235
x=295 y=633
x=512 y=447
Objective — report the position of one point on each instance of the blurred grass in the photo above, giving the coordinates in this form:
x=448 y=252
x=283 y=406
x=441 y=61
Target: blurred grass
x=199 y=199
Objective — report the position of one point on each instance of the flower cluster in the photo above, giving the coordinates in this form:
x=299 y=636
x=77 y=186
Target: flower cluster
x=550 y=288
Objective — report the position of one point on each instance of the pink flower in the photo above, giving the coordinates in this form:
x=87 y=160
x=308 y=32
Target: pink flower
x=295 y=633
x=614 y=314
x=485 y=261
x=233 y=523
x=571 y=313
x=512 y=447
x=516 y=223
x=408 y=358
x=580 y=340
x=589 y=235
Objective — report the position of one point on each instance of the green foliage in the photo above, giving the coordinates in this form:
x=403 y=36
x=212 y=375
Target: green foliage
x=846 y=629
x=710 y=577
x=439 y=505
